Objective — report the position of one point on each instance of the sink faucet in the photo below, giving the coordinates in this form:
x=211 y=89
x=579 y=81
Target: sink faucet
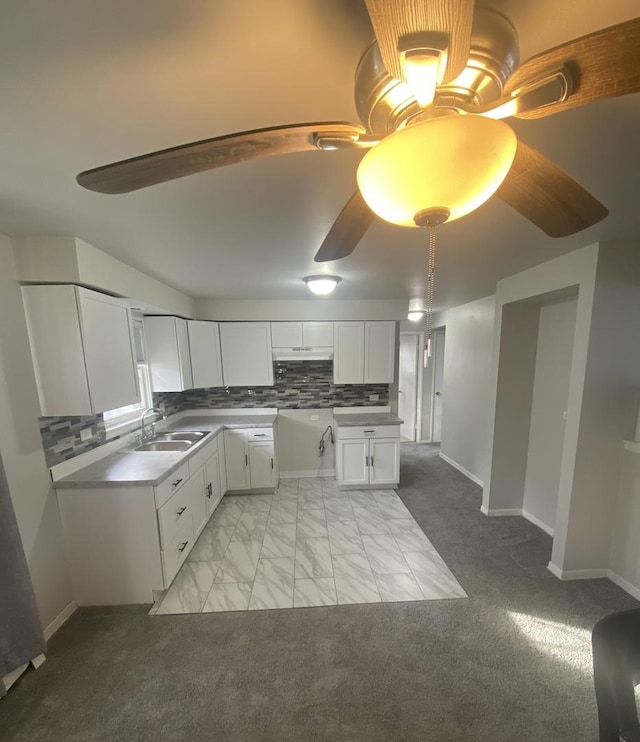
x=143 y=433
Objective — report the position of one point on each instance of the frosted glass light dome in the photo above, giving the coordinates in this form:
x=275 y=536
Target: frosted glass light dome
x=456 y=162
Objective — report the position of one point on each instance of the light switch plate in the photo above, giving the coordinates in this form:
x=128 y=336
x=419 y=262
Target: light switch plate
x=314 y=417
x=374 y=397
x=86 y=434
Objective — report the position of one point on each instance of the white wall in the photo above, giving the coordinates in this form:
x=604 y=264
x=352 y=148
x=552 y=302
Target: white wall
x=303 y=309
x=624 y=560
x=550 y=395
x=297 y=439
x=33 y=497
x=467 y=375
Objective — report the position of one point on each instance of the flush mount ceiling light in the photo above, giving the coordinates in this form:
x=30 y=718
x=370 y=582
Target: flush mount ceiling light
x=417 y=309
x=454 y=163
x=321 y=285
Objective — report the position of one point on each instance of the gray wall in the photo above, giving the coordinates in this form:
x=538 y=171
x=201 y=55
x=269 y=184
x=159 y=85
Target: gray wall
x=467 y=373
x=550 y=396
x=34 y=499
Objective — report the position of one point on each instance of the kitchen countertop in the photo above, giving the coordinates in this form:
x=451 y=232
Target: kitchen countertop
x=148 y=468
x=353 y=419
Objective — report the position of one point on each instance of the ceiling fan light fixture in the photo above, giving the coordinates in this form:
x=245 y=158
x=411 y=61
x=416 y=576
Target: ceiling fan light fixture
x=423 y=58
x=455 y=162
x=417 y=309
x=321 y=285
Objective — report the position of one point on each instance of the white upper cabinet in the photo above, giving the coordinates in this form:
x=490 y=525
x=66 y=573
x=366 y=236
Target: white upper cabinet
x=348 y=352
x=364 y=352
x=301 y=334
x=246 y=353
x=204 y=346
x=379 y=352
x=167 y=345
x=83 y=351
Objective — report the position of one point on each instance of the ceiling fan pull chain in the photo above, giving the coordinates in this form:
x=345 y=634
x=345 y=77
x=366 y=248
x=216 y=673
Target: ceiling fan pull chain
x=431 y=266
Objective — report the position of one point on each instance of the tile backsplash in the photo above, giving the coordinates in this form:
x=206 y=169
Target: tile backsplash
x=297 y=385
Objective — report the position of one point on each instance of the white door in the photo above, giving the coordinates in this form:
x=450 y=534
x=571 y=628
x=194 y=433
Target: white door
x=317 y=334
x=261 y=464
x=348 y=352
x=212 y=482
x=407 y=385
x=195 y=491
x=236 y=460
x=353 y=461
x=384 y=460
x=438 y=377
x=246 y=353
x=379 y=352
x=204 y=347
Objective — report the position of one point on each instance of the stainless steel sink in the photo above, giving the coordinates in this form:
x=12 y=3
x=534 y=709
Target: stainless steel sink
x=179 y=441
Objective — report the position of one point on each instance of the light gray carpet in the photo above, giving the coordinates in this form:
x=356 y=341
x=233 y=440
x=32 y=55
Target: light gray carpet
x=510 y=663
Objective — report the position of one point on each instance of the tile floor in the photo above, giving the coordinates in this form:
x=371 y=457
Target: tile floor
x=309 y=544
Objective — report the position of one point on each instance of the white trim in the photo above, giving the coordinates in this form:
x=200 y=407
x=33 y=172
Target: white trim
x=461 y=469
x=11 y=677
x=499 y=513
x=537 y=522
x=64 y=615
x=633 y=446
x=307 y=473
x=577 y=574
x=624 y=584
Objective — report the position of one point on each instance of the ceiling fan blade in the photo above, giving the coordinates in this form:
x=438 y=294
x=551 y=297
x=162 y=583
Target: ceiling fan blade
x=196 y=157
x=347 y=230
x=543 y=193
x=604 y=64
x=393 y=19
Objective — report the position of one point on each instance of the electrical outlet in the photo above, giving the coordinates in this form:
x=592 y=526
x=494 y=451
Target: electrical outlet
x=86 y=434
x=314 y=417
x=374 y=397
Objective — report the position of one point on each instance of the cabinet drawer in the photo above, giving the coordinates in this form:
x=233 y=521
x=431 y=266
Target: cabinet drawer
x=259 y=434
x=198 y=459
x=370 y=431
x=171 y=484
x=173 y=513
x=177 y=551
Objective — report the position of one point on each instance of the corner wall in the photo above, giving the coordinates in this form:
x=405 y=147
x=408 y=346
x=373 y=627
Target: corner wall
x=33 y=497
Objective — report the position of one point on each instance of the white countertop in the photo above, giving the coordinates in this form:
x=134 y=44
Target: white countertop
x=148 y=468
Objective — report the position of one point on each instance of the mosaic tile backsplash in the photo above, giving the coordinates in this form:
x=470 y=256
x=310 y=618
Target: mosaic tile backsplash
x=297 y=385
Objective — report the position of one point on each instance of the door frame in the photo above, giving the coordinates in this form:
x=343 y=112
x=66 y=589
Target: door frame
x=419 y=380
x=436 y=331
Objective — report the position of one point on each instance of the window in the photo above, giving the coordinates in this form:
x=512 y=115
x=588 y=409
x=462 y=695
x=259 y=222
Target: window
x=122 y=416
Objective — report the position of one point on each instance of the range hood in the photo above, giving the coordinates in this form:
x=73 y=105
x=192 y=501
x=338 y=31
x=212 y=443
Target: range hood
x=303 y=354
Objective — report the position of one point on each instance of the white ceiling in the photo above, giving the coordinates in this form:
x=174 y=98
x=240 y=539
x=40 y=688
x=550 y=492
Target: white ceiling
x=86 y=82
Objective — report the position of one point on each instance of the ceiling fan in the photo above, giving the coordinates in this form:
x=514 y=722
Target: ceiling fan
x=435 y=65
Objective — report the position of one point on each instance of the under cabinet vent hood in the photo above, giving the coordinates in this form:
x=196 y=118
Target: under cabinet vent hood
x=303 y=354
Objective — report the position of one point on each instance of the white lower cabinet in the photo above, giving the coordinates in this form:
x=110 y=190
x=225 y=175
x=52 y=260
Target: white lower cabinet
x=368 y=457
x=124 y=543
x=250 y=459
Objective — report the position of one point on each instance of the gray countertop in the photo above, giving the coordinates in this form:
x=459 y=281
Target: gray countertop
x=148 y=468
x=353 y=419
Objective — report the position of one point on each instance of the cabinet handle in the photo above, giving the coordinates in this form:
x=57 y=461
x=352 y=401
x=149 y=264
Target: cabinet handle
x=372 y=461
x=210 y=490
x=183 y=547
x=246 y=460
x=260 y=435
x=366 y=461
x=182 y=509
x=368 y=431
x=176 y=483
x=272 y=463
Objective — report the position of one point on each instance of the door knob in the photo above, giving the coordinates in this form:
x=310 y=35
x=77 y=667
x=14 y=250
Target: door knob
x=438 y=394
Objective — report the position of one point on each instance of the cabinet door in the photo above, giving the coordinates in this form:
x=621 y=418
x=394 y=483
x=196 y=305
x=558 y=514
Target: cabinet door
x=237 y=460
x=384 y=460
x=348 y=352
x=204 y=348
x=212 y=483
x=286 y=334
x=246 y=353
x=317 y=334
x=107 y=338
x=167 y=346
x=352 y=461
x=380 y=352
x=197 y=494
x=262 y=464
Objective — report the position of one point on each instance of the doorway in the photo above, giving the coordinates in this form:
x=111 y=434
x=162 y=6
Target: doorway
x=437 y=387
x=409 y=381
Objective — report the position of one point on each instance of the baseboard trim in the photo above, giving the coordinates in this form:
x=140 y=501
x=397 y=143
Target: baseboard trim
x=498 y=513
x=624 y=584
x=307 y=473
x=537 y=522
x=461 y=469
x=62 y=617
x=577 y=574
